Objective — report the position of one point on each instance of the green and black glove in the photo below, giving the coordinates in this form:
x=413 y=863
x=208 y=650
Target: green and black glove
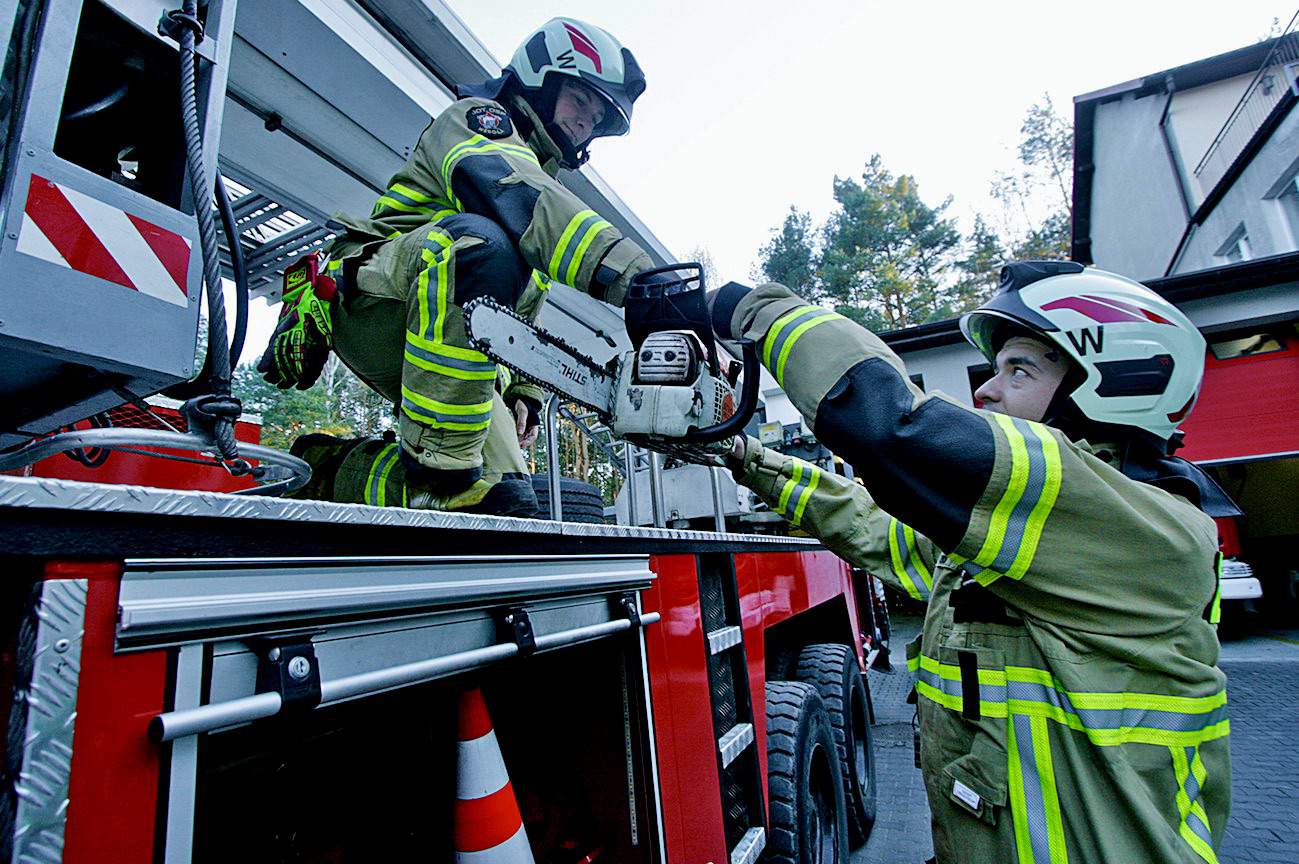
x=302 y=340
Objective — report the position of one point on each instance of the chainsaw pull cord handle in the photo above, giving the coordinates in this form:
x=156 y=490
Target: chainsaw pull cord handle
x=735 y=424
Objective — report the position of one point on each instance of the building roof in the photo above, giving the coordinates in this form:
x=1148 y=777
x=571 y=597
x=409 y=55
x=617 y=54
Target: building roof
x=1183 y=288
x=1242 y=61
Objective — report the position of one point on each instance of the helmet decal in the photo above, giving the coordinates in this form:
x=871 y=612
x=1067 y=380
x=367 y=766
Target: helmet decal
x=1104 y=310
x=584 y=46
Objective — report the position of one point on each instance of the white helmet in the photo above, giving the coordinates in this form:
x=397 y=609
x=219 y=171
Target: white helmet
x=565 y=46
x=1142 y=358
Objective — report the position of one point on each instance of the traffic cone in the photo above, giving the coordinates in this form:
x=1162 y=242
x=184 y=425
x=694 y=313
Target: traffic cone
x=488 y=828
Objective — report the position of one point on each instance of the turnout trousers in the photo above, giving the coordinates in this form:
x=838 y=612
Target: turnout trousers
x=401 y=329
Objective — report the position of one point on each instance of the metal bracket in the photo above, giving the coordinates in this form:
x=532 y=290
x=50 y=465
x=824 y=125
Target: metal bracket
x=287 y=665
x=627 y=602
x=519 y=627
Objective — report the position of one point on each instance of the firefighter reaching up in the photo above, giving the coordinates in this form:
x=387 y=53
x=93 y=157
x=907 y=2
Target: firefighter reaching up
x=1071 y=707
x=475 y=212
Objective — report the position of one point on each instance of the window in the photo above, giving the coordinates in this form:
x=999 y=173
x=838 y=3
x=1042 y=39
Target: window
x=1289 y=201
x=1236 y=247
x=918 y=379
x=1251 y=344
x=978 y=375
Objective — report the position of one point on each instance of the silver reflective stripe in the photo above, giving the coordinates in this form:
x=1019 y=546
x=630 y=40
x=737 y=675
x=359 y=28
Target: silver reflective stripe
x=484 y=366
x=574 y=241
x=1034 y=802
x=905 y=552
x=950 y=687
x=1116 y=718
x=1033 y=488
x=1192 y=787
x=790 y=327
x=378 y=473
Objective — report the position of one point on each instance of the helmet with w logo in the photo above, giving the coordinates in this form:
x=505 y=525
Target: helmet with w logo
x=565 y=46
x=1138 y=360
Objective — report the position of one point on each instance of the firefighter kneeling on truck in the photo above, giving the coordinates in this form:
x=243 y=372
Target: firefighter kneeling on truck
x=475 y=212
x=1070 y=704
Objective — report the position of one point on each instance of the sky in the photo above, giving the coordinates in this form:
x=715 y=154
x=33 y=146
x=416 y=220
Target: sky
x=753 y=107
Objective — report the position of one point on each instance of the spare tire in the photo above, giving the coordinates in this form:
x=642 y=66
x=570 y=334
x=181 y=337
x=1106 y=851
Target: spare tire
x=579 y=501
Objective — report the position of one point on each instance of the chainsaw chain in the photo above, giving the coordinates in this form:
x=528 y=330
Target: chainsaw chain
x=610 y=371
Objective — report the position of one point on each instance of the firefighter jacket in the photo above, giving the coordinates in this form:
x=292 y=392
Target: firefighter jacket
x=1070 y=704
x=478 y=157
x=842 y=515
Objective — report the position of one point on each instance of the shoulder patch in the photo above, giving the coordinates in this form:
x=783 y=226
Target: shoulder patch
x=489 y=121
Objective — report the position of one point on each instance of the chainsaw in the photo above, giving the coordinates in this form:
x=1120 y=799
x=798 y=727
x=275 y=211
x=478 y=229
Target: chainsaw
x=673 y=391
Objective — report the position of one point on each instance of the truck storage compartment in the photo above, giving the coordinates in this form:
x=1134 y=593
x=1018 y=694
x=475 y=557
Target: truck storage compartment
x=375 y=779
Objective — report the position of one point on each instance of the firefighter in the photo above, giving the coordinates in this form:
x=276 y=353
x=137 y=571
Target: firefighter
x=1070 y=704
x=475 y=212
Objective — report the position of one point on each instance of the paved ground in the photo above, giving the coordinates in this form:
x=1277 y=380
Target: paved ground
x=1263 y=688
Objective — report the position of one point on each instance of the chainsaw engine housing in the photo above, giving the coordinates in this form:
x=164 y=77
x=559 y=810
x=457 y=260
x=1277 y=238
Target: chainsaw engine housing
x=666 y=389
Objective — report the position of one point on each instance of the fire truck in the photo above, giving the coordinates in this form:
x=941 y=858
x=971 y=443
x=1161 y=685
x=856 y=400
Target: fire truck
x=194 y=669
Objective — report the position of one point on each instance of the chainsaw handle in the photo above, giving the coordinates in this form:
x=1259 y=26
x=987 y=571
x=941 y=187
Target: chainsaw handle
x=735 y=424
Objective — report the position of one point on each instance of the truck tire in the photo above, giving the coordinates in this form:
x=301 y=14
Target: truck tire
x=581 y=502
x=832 y=670
x=807 y=822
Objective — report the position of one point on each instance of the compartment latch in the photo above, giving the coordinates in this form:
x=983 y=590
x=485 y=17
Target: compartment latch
x=627 y=603
x=519 y=625
x=288 y=666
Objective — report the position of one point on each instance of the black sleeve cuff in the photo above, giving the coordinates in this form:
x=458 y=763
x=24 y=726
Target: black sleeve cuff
x=724 y=303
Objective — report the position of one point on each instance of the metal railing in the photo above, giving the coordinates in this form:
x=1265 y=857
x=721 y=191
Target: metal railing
x=1267 y=88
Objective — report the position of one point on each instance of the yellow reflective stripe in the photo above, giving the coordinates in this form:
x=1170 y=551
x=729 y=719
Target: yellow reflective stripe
x=393 y=204
x=1018 y=804
x=782 y=505
x=449 y=371
x=445 y=415
x=1215 y=613
x=913 y=551
x=477 y=145
x=995 y=677
x=806 y=495
x=412 y=194
x=1186 y=807
x=1011 y=531
x=541 y=279
x=954 y=702
x=1050 y=795
x=383 y=482
x=1118 y=700
x=770 y=342
x=570 y=276
x=444 y=407
x=899 y=568
x=794 y=337
x=564 y=239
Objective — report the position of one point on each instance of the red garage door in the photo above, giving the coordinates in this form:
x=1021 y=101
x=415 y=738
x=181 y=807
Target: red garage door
x=1249 y=404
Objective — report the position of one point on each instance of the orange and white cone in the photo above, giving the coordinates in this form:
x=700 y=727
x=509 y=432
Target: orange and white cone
x=488 y=828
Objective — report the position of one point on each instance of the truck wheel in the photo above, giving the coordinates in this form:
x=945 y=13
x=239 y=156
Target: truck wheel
x=581 y=501
x=808 y=824
x=832 y=670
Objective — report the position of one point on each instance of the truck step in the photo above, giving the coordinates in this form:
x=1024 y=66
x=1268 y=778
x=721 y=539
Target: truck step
x=732 y=744
x=749 y=847
x=722 y=638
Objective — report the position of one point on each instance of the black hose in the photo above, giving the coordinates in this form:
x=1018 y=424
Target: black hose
x=220 y=409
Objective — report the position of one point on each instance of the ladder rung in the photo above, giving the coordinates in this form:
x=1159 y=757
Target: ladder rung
x=722 y=638
x=749 y=847
x=732 y=744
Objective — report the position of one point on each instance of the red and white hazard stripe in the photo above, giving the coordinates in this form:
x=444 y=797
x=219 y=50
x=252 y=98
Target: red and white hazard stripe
x=488 y=828
x=72 y=229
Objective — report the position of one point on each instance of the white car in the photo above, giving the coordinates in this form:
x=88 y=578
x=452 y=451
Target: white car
x=1239 y=581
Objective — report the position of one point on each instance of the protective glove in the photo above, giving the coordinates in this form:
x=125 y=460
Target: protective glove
x=300 y=345
x=714 y=455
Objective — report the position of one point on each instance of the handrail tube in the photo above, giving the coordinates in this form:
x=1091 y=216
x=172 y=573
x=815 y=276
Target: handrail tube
x=552 y=457
x=633 y=505
x=171 y=725
x=656 y=489
x=719 y=512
